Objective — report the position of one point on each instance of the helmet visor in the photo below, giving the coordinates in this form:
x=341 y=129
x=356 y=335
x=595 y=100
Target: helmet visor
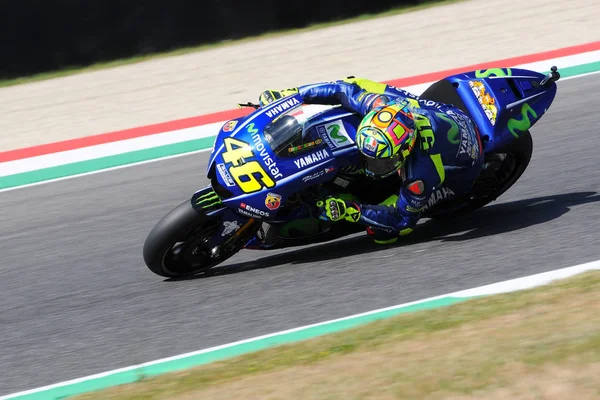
x=382 y=167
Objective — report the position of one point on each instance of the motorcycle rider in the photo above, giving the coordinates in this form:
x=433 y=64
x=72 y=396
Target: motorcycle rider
x=435 y=148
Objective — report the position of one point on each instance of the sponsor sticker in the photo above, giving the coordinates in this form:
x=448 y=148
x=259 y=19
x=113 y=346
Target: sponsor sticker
x=487 y=102
x=264 y=154
x=468 y=144
x=334 y=134
x=247 y=209
x=230 y=227
x=225 y=175
x=311 y=158
x=317 y=174
x=273 y=201
x=286 y=105
x=229 y=126
x=305 y=146
x=443 y=193
x=371 y=144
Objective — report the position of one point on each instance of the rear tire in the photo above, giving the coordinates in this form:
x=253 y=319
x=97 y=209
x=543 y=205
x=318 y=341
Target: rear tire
x=513 y=161
x=176 y=245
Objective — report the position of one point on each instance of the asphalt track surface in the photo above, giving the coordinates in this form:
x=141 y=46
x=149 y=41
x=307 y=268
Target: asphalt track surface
x=77 y=299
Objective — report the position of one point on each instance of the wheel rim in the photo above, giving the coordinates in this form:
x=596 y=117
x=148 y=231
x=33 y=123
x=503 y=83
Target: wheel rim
x=192 y=255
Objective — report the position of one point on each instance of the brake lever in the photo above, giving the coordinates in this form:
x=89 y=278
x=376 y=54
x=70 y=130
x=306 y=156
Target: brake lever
x=249 y=104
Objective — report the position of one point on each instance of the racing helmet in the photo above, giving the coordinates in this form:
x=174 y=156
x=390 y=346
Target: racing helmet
x=386 y=137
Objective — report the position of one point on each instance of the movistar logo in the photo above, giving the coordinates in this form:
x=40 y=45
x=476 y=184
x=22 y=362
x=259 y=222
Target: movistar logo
x=452 y=134
x=334 y=132
x=524 y=123
x=251 y=129
x=493 y=72
x=208 y=200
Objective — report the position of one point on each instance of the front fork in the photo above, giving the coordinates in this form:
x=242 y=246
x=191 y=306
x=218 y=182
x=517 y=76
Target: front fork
x=239 y=231
x=233 y=230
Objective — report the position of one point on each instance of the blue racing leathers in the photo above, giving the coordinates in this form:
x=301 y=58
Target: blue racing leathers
x=445 y=161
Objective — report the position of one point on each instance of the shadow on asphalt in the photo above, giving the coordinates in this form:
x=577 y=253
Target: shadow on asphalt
x=488 y=221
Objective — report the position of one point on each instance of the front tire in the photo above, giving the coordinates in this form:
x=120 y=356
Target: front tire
x=177 y=245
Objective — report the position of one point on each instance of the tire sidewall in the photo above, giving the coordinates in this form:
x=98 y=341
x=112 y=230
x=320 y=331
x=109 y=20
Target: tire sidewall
x=172 y=228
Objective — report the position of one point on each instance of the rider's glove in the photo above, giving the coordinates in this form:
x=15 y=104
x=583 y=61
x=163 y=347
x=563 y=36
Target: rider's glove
x=334 y=209
x=269 y=96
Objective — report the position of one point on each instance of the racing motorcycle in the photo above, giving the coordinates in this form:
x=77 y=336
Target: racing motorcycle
x=268 y=170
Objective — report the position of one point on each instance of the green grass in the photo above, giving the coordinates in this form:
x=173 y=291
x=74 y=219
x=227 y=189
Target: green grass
x=544 y=340
x=137 y=59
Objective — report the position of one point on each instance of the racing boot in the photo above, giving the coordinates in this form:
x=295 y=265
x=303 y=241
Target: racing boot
x=381 y=236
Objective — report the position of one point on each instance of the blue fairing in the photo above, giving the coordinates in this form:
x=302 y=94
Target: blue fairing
x=284 y=169
x=260 y=160
x=504 y=103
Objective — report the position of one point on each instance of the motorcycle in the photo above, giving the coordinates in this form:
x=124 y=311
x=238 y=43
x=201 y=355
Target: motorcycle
x=267 y=171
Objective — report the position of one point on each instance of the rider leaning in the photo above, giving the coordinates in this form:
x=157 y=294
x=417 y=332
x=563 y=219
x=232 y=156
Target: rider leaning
x=431 y=145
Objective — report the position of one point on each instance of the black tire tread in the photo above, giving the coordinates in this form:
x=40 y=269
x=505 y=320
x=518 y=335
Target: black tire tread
x=171 y=228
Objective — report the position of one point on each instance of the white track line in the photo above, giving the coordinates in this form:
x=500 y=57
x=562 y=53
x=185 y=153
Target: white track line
x=511 y=285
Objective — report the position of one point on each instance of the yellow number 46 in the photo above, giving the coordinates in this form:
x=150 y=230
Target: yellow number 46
x=423 y=125
x=249 y=175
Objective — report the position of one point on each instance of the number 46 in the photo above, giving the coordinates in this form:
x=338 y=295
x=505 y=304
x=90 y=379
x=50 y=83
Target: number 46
x=249 y=175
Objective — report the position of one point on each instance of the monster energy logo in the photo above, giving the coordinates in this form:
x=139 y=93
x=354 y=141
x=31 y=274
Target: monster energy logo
x=208 y=200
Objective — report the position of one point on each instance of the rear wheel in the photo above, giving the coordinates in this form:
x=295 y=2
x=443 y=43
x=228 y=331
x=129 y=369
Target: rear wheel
x=178 y=245
x=501 y=170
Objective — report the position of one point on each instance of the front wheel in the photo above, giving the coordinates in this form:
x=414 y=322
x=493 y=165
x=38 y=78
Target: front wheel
x=178 y=245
